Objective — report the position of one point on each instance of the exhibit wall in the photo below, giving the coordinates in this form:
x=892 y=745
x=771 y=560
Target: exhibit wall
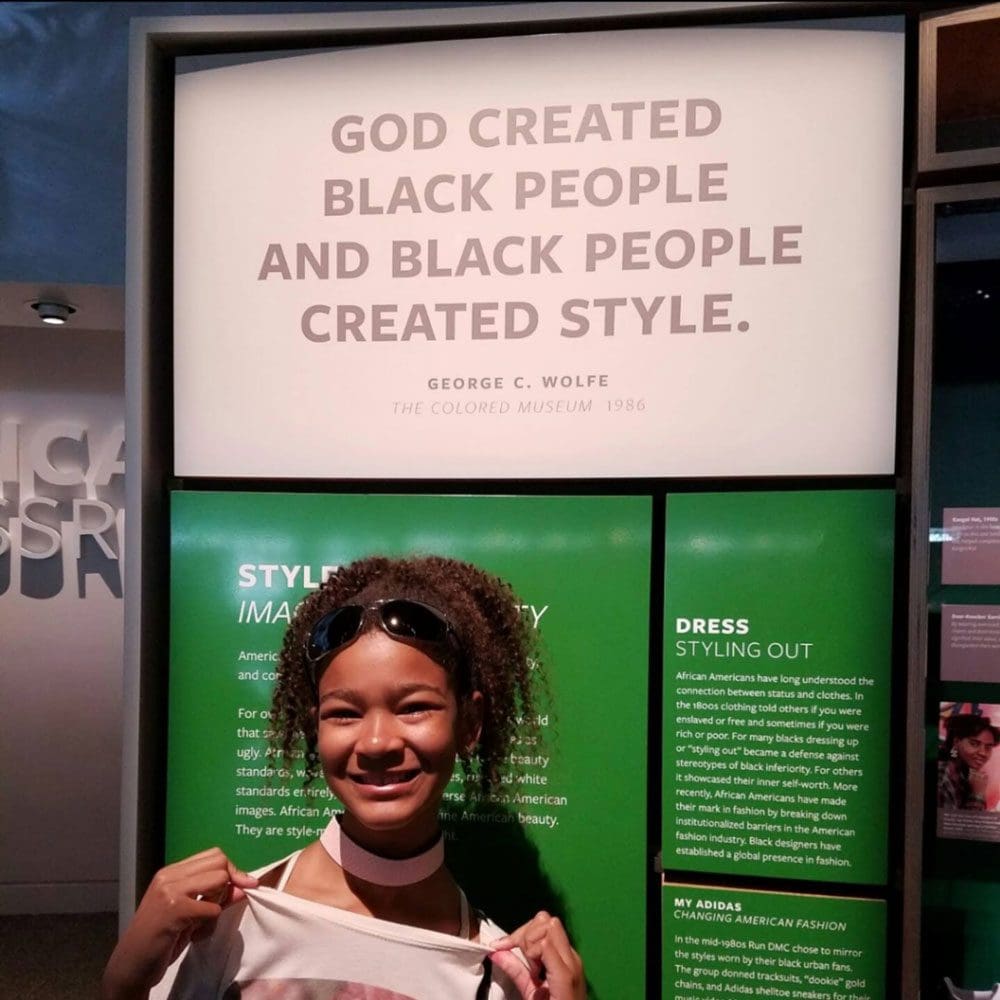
x=962 y=609
x=61 y=532
x=612 y=337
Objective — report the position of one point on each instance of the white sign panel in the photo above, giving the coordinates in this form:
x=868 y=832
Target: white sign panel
x=643 y=253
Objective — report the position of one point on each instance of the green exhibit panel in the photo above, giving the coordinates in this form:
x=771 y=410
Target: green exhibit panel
x=240 y=562
x=719 y=944
x=777 y=650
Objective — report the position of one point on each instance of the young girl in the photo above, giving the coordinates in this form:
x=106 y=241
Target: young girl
x=389 y=672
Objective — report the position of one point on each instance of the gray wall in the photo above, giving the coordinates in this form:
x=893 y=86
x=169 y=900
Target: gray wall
x=60 y=622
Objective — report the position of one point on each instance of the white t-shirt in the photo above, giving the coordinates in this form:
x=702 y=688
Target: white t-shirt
x=275 y=946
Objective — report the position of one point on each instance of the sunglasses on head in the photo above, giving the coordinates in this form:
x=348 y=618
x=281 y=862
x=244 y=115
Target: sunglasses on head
x=403 y=620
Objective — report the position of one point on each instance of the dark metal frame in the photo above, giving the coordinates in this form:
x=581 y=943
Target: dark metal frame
x=928 y=200
x=928 y=157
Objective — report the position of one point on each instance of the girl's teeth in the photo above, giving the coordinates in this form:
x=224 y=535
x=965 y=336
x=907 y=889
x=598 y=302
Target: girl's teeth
x=385 y=779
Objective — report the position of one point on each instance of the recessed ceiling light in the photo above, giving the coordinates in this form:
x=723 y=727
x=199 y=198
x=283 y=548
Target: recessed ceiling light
x=54 y=313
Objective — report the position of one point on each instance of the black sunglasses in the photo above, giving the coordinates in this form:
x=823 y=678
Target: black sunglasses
x=411 y=622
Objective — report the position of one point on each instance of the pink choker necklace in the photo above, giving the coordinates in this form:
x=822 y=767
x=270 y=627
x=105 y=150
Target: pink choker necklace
x=357 y=861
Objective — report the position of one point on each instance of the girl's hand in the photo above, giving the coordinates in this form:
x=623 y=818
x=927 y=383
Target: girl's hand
x=182 y=902
x=978 y=781
x=555 y=970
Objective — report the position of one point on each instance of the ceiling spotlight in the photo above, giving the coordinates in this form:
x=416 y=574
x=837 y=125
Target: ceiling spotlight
x=54 y=313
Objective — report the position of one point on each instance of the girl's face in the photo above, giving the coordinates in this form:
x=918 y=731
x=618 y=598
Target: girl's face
x=974 y=751
x=389 y=728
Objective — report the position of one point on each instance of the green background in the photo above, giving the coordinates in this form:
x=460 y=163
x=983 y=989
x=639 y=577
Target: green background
x=587 y=558
x=801 y=567
x=743 y=960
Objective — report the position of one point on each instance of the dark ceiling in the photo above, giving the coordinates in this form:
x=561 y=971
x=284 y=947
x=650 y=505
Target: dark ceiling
x=63 y=100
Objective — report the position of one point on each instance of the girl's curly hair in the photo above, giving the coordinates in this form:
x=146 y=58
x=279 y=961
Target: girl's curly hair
x=962 y=727
x=498 y=648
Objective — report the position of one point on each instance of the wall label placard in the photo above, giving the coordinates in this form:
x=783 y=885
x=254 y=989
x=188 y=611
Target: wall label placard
x=240 y=564
x=771 y=945
x=491 y=245
x=970 y=642
x=777 y=640
x=970 y=551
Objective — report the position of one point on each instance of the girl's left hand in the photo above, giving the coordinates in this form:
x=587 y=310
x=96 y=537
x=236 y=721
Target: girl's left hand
x=554 y=971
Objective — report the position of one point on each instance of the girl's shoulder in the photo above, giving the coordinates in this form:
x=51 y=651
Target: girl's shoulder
x=275 y=874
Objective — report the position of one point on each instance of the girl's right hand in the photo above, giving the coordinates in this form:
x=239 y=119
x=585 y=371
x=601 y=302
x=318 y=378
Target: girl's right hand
x=978 y=782
x=182 y=902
